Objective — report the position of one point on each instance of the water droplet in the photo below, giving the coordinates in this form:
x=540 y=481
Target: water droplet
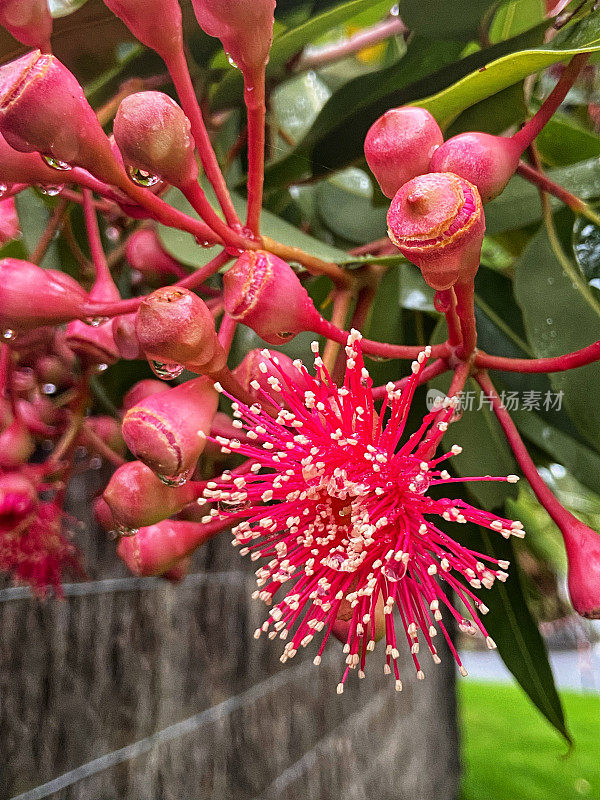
x=95 y=322
x=112 y=233
x=175 y=480
x=549 y=321
x=8 y=334
x=233 y=507
x=142 y=177
x=466 y=626
x=394 y=571
x=3 y=189
x=203 y=242
x=48 y=388
x=395 y=10
x=101 y=367
x=121 y=530
x=166 y=372
x=586 y=246
x=285 y=334
x=231 y=61
x=51 y=191
x=57 y=164
x=336 y=561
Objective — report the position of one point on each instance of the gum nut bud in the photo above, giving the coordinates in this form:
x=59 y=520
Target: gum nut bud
x=9 y=221
x=437 y=222
x=156 y=549
x=18 y=497
x=52 y=369
x=245 y=28
x=137 y=498
x=342 y=625
x=103 y=514
x=141 y=390
x=145 y=253
x=167 y=431
x=108 y=430
x=264 y=293
x=125 y=337
x=179 y=571
x=20 y=167
x=488 y=162
x=16 y=445
x=399 y=146
x=29 y=21
x=153 y=134
x=43 y=109
x=583 y=555
x=155 y=23
x=93 y=344
x=249 y=370
x=32 y=296
x=174 y=325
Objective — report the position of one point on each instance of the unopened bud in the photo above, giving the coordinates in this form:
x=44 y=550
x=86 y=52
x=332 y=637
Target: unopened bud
x=9 y=221
x=141 y=390
x=155 y=23
x=29 y=21
x=145 y=254
x=583 y=555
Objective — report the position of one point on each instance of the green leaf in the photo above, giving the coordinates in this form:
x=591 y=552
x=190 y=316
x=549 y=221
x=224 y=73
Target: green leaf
x=345 y=207
x=230 y=90
x=519 y=204
x=514 y=630
x=444 y=20
x=184 y=247
x=516 y=17
x=62 y=8
x=561 y=314
x=563 y=142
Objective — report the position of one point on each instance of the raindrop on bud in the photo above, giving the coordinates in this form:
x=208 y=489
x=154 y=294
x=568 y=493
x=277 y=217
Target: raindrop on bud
x=166 y=372
x=174 y=480
x=8 y=334
x=51 y=191
x=142 y=178
x=57 y=164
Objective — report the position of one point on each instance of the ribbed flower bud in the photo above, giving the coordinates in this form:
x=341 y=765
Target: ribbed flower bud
x=174 y=326
x=32 y=296
x=399 y=146
x=43 y=108
x=158 y=548
x=245 y=28
x=137 y=498
x=437 y=222
x=29 y=21
x=167 y=431
x=153 y=135
x=155 y=23
x=262 y=291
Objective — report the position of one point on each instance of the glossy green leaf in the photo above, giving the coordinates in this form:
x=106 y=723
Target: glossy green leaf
x=444 y=20
x=514 y=17
x=345 y=207
x=519 y=204
x=230 y=90
x=563 y=141
x=562 y=314
x=514 y=630
x=184 y=247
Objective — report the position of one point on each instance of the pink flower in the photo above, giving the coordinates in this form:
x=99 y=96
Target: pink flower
x=337 y=503
x=33 y=547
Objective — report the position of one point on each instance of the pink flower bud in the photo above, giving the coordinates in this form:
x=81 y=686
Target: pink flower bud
x=20 y=167
x=583 y=554
x=264 y=293
x=16 y=445
x=437 y=222
x=125 y=337
x=29 y=21
x=179 y=571
x=245 y=28
x=9 y=221
x=145 y=254
x=158 y=548
x=153 y=135
x=137 y=498
x=399 y=146
x=278 y=364
x=43 y=108
x=174 y=326
x=343 y=627
x=52 y=369
x=488 y=162
x=167 y=431
x=57 y=297
x=18 y=497
x=156 y=23
x=108 y=430
x=103 y=514
x=141 y=390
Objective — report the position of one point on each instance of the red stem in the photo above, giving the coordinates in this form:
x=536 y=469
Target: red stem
x=559 y=514
x=534 y=126
x=197 y=278
x=227 y=332
x=465 y=310
x=103 y=275
x=254 y=97
x=178 y=68
x=199 y=202
x=325 y=328
x=579 y=358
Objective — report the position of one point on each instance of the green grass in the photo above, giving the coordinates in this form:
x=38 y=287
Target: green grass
x=510 y=752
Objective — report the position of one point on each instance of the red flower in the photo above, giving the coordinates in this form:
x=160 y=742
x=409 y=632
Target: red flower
x=337 y=502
